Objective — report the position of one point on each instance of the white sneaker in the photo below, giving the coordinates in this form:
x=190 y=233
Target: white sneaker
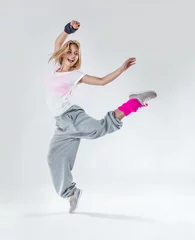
x=74 y=200
x=144 y=97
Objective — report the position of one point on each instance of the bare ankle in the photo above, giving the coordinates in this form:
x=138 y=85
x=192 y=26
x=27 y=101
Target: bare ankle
x=118 y=114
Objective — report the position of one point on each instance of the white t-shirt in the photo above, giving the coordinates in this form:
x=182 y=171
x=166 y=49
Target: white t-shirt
x=59 y=88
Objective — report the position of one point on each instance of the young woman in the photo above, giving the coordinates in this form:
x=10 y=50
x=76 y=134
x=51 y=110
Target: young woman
x=72 y=122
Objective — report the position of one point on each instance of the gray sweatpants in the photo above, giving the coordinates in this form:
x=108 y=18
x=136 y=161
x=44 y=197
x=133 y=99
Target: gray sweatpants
x=73 y=125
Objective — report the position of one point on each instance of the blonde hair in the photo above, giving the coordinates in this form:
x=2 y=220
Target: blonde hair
x=58 y=55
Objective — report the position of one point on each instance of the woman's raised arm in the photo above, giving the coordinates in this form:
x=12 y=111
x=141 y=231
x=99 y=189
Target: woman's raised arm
x=68 y=29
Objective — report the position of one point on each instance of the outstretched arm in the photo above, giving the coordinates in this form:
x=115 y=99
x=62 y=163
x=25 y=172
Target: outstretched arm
x=63 y=36
x=110 y=77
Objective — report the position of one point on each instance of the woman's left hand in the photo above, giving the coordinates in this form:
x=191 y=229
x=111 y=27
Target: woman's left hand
x=128 y=63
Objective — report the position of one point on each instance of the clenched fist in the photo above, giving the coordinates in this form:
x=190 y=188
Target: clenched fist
x=75 y=24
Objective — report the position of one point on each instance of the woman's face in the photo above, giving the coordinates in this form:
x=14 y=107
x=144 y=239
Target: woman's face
x=72 y=55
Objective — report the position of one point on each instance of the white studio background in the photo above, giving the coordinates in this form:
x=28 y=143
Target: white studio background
x=155 y=147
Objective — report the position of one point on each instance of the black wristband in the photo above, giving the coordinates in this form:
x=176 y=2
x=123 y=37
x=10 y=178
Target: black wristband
x=69 y=29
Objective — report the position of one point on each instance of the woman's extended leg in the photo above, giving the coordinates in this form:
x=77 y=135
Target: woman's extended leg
x=87 y=127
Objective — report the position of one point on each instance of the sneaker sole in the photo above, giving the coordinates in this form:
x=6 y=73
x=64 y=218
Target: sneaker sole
x=77 y=202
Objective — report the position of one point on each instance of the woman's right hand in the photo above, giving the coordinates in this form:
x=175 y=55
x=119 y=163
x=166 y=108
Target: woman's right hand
x=75 y=24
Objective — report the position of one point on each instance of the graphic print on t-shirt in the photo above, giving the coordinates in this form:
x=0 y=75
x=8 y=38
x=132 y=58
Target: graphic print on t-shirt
x=59 y=84
x=59 y=88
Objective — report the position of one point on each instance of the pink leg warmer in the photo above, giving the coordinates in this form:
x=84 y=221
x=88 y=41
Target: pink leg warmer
x=130 y=106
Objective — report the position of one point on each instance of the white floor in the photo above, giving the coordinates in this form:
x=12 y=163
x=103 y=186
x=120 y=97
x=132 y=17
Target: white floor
x=159 y=215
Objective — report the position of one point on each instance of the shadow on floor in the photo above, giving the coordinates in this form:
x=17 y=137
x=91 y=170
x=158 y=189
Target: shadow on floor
x=117 y=217
x=96 y=215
